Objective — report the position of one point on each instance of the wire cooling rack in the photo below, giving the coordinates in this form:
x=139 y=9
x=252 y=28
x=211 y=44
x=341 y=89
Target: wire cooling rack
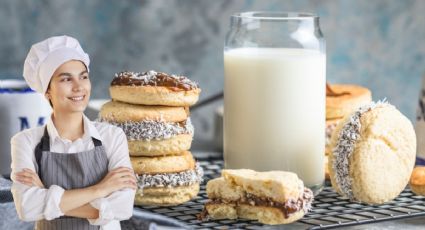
x=330 y=210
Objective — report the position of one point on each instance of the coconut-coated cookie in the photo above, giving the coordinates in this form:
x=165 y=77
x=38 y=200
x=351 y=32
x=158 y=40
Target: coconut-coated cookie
x=374 y=151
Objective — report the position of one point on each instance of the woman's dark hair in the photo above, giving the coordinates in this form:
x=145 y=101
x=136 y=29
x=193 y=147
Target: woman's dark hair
x=50 y=101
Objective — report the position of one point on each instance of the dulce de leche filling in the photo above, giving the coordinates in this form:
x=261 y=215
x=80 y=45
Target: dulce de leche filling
x=288 y=208
x=152 y=78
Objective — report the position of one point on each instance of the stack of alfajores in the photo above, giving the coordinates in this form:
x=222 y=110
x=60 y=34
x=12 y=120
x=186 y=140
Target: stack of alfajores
x=152 y=108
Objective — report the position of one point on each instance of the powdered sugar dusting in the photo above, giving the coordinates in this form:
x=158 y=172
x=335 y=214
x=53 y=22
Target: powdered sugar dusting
x=347 y=138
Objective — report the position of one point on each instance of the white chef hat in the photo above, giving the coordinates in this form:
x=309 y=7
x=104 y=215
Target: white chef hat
x=46 y=56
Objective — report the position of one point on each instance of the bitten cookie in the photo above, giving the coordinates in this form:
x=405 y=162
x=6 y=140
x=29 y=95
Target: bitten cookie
x=273 y=197
x=417 y=180
x=373 y=155
x=154 y=88
x=150 y=130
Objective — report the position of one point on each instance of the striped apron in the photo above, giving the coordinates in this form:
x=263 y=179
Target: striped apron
x=69 y=171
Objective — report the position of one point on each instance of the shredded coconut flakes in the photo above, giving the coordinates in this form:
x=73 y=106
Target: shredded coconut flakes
x=153 y=130
x=184 y=178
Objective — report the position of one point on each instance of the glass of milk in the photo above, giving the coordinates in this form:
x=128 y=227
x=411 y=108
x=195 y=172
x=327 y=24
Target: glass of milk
x=275 y=94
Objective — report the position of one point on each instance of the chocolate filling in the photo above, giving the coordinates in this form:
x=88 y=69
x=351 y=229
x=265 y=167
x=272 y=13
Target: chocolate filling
x=288 y=208
x=152 y=78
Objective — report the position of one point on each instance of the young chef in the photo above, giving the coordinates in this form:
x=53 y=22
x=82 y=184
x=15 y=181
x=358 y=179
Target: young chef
x=72 y=173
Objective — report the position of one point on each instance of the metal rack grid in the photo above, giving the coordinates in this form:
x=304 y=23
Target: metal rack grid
x=329 y=209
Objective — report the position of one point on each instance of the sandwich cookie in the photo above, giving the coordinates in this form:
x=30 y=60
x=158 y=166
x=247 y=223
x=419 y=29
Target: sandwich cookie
x=273 y=197
x=168 y=180
x=373 y=154
x=154 y=88
x=417 y=181
x=342 y=100
x=327 y=177
x=150 y=130
x=330 y=128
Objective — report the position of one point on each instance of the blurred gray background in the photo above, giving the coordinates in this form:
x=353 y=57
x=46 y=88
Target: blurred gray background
x=379 y=44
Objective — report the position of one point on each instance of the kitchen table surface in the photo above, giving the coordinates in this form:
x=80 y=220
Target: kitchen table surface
x=9 y=219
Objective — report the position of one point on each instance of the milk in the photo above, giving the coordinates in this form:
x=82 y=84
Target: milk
x=274 y=111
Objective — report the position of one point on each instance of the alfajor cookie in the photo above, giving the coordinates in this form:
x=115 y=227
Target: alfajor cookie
x=373 y=154
x=150 y=130
x=154 y=88
x=168 y=180
x=327 y=177
x=342 y=99
x=273 y=197
x=417 y=180
x=330 y=128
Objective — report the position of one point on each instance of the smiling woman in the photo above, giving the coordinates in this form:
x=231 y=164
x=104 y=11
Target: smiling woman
x=69 y=92
x=69 y=89
x=72 y=173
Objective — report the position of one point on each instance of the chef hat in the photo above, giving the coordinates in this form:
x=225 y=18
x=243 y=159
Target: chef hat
x=46 y=56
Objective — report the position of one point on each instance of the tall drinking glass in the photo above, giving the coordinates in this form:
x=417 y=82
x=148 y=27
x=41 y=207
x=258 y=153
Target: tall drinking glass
x=275 y=94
